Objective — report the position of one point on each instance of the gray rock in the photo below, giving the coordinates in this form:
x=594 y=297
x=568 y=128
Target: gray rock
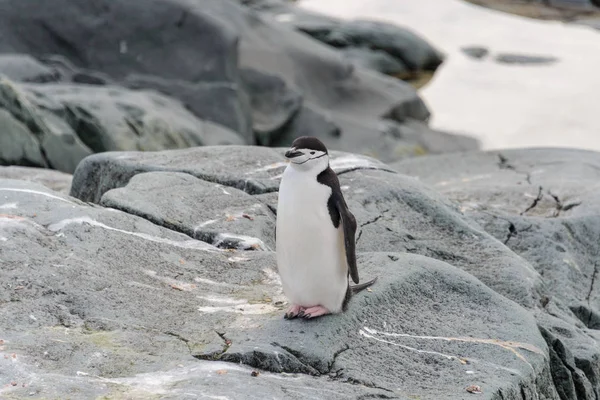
x=252 y=169
x=398 y=42
x=509 y=58
x=476 y=52
x=17 y=145
x=274 y=105
x=109 y=118
x=70 y=121
x=114 y=305
x=23 y=67
x=321 y=74
x=189 y=48
x=227 y=217
x=55 y=180
x=377 y=60
x=59 y=144
x=544 y=205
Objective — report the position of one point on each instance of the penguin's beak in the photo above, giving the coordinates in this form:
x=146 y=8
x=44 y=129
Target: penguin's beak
x=291 y=153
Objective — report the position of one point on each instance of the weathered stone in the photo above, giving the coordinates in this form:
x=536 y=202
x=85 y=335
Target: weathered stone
x=55 y=180
x=508 y=58
x=544 y=205
x=222 y=216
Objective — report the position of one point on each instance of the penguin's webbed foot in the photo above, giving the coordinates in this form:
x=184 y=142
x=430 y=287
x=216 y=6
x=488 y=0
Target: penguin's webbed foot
x=313 y=312
x=294 y=311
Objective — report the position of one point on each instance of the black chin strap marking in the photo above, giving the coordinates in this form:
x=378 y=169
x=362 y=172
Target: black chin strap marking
x=307 y=160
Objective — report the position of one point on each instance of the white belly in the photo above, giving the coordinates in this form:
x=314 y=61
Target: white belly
x=311 y=258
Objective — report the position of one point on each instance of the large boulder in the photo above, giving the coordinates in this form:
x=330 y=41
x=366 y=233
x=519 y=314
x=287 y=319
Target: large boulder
x=130 y=40
x=544 y=204
x=57 y=125
x=380 y=46
x=107 y=303
x=231 y=65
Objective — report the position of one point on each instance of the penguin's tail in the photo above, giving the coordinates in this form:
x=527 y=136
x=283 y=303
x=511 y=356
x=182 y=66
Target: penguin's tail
x=357 y=288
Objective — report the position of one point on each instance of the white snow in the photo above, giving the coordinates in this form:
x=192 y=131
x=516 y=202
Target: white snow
x=504 y=105
x=8 y=206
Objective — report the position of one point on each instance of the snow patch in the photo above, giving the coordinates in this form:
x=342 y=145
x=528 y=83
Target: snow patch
x=8 y=206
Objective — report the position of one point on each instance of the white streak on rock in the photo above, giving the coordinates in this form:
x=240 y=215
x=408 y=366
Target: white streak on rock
x=253 y=309
x=237 y=259
x=508 y=345
x=244 y=242
x=214 y=283
x=8 y=206
x=368 y=335
x=36 y=192
x=222 y=189
x=3 y=239
x=186 y=244
x=206 y=223
x=269 y=167
x=223 y=300
x=353 y=161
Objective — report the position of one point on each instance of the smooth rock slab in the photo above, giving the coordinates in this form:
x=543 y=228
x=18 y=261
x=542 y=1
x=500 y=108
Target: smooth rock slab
x=103 y=303
x=222 y=216
x=55 y=180
x=438 y=329
x=252 y=169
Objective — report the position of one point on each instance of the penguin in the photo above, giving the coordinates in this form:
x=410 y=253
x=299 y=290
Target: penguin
x=314 y=235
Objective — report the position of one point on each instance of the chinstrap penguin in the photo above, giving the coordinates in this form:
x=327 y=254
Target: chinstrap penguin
x=315 y=234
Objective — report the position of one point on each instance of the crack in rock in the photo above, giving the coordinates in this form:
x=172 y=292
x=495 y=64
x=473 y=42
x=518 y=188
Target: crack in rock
x=215 y=355
x=512 y=231
x=569 y=380
x=503 y=163
x=535 y=202
x=560 y=206
x=372 y=221
x=181 y=338
x=594 y=275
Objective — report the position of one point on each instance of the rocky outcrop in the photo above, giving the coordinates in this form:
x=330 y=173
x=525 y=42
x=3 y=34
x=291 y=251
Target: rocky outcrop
x=82 y=78
x=543 y=204
x=157 y=276
x=380 y=46
x=57 y=125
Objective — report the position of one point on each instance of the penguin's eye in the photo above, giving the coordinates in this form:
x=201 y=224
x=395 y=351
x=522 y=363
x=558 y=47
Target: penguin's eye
x=312 y=152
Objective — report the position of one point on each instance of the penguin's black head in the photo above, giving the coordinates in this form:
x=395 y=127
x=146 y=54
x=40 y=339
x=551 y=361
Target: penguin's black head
x=308 y=152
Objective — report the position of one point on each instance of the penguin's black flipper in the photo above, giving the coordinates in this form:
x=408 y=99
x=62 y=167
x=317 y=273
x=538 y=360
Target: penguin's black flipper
x=338 y=211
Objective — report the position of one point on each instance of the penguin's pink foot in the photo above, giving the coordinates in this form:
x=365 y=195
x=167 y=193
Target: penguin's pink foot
x=293 y=311
x=313 y=312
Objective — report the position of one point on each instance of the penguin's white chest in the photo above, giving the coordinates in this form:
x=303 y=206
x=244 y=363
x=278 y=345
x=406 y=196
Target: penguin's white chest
x=311 y=257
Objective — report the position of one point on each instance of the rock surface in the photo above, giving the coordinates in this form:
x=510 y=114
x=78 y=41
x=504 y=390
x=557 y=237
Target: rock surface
x=543 y=204
x=55 y=180
x=57 y=125
x=131 y=295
